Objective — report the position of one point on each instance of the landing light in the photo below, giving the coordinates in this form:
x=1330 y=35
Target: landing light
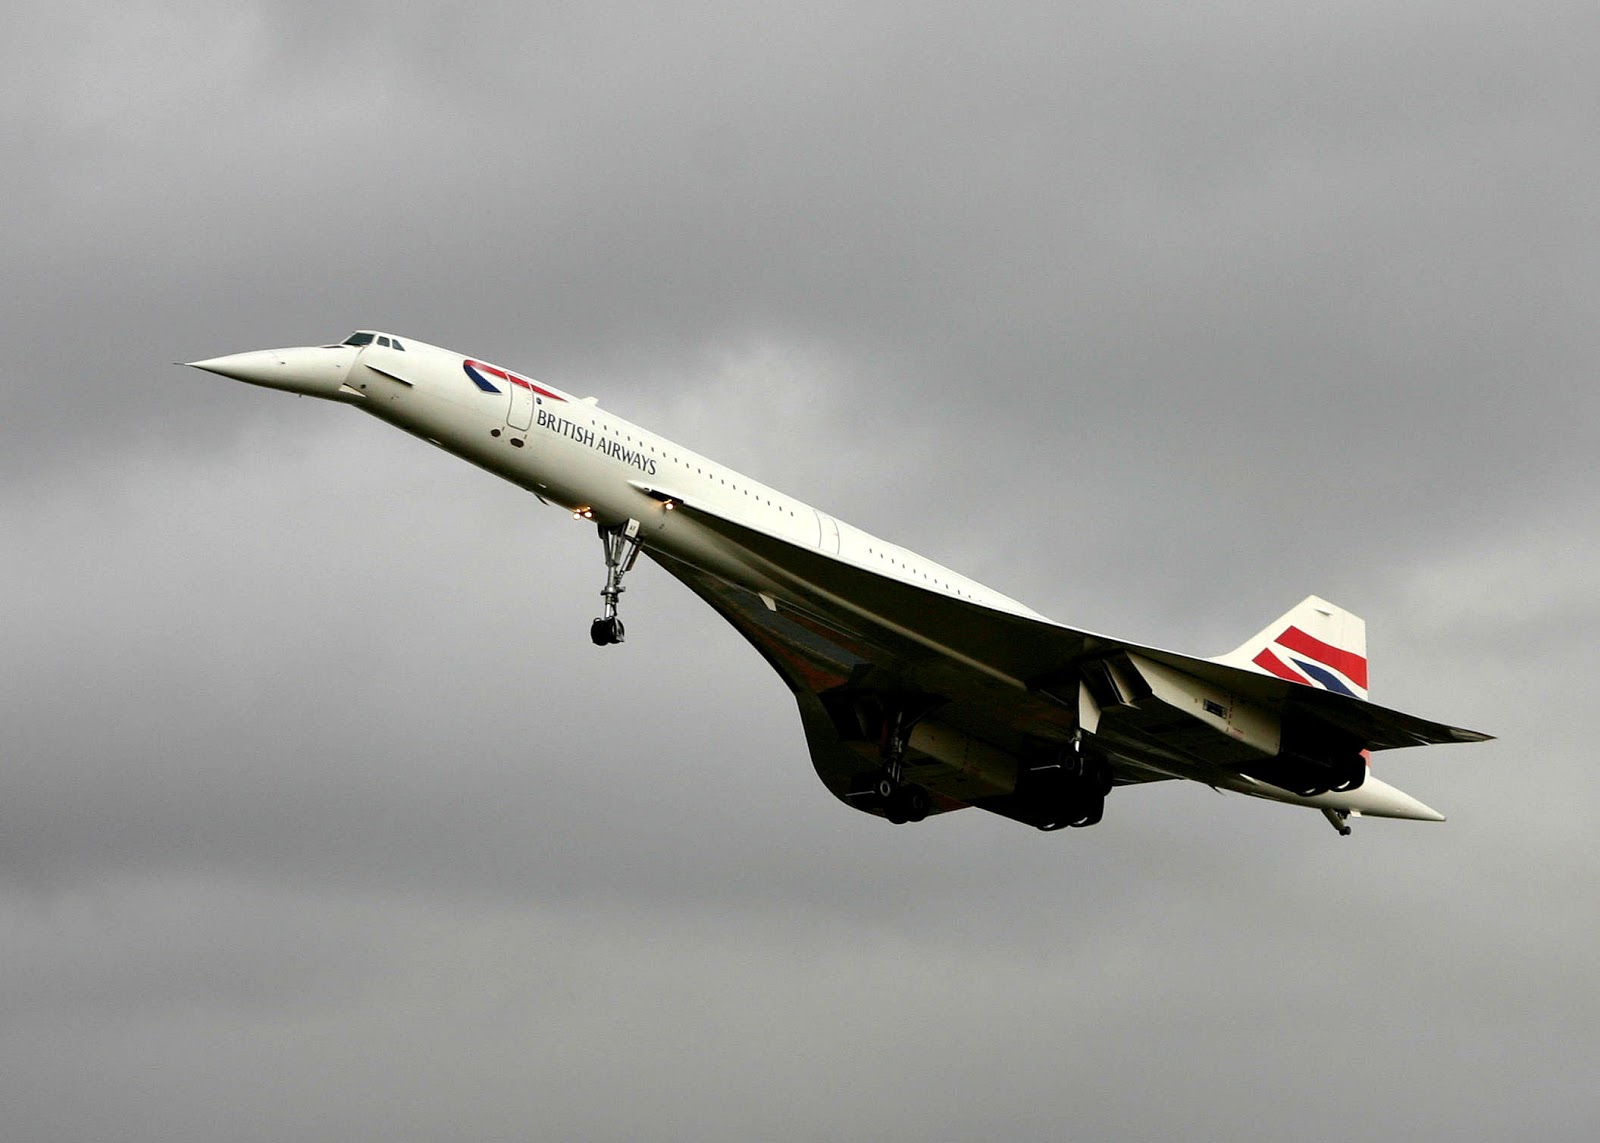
x=584 y=513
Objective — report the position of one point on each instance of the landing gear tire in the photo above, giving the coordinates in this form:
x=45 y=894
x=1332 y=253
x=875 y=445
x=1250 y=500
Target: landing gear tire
x=914 y=803
x=1351 y=774
x=902 y=804
x=1072 y=792
x=1088 y=814
x=606 y=631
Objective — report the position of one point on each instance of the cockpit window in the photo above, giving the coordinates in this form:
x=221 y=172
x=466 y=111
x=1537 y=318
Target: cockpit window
x=368 y=337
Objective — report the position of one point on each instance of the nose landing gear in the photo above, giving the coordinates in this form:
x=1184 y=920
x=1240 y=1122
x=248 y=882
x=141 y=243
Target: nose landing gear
x=621 y=543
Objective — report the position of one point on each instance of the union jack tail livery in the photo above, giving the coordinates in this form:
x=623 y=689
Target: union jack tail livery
x=1316 y=644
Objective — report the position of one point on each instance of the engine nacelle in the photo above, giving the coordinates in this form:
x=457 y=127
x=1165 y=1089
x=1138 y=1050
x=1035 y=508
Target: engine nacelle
x=1316 y=758
x=1294 y=751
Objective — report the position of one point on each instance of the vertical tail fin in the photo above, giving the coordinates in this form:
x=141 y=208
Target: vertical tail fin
x=1314 y=643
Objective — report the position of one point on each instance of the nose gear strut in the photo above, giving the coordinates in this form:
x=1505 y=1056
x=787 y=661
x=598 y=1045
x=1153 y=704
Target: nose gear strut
x=621 y=542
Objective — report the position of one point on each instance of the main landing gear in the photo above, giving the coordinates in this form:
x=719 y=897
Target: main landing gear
x=1071 y=790
x=621 y=542
x=900 y=801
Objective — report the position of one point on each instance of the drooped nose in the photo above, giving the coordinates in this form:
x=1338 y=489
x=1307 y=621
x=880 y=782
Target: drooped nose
x=312 y=371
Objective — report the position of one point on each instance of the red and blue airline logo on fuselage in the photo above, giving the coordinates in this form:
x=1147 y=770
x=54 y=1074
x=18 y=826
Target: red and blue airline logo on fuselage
x=480 y=372
x=1315 y=663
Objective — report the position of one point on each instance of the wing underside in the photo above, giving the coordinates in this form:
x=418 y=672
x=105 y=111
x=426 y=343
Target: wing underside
x=1007 y=683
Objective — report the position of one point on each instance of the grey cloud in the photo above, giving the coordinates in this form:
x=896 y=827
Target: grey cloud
x=322 y=819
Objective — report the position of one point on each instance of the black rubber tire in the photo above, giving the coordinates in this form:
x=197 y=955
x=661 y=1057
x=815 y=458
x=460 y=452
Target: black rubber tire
x=1088 y=814
x=1351 y=774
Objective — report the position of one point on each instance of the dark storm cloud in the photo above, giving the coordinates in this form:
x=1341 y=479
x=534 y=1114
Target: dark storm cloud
x=321 y=817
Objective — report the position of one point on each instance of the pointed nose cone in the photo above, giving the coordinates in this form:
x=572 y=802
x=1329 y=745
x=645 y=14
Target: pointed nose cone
x=312 y=371
x=252 y=367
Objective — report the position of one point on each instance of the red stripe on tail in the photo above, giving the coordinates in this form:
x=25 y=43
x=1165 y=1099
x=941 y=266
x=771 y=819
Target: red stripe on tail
x=1347 y=663
x=1267 y=661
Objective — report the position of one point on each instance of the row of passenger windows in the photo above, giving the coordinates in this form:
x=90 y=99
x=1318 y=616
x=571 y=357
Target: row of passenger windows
x=883 y=556
x=702 y=472
x=903 y=566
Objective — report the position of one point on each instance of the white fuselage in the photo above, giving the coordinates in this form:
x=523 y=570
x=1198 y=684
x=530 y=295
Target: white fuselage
x=575 y=454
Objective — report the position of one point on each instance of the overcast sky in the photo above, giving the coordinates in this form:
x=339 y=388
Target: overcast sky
x=321 y=818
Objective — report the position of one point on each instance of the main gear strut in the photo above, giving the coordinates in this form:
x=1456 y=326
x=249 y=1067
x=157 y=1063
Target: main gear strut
x=895 y=715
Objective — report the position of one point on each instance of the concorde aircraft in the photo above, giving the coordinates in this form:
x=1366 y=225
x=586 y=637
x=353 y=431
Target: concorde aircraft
x=920 y=690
